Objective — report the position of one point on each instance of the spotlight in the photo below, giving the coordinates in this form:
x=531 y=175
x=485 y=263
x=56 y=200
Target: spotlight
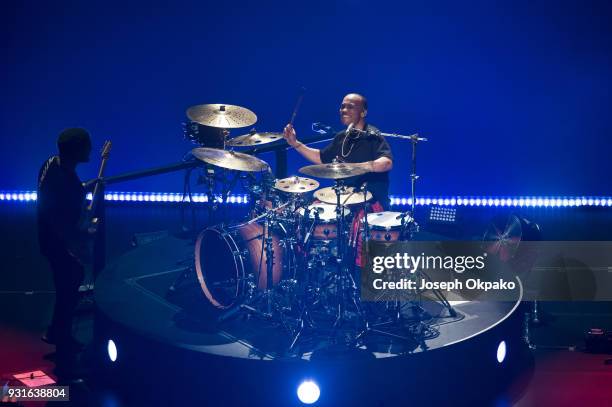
x=111 y=348
x=308 y=392
x=501 y=351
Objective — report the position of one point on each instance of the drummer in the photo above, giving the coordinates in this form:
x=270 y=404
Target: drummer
x=367 y=147
x=370 y=149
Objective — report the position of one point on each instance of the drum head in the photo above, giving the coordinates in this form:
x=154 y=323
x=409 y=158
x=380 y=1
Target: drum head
x=387 y=220
x=326 y=212
x=220 y=272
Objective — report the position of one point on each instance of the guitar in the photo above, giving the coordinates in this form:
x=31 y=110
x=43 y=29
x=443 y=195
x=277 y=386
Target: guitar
x=81 y=248
x=88 y=220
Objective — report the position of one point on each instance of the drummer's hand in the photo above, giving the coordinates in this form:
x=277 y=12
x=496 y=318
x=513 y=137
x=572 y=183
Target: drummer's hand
x=289 y=135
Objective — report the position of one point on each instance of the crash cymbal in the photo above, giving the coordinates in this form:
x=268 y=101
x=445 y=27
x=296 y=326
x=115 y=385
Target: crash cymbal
x=296 y=185
x=254 y=139
x=222 y=116
x=348 y=196
x=333 y=170
x=229 y=159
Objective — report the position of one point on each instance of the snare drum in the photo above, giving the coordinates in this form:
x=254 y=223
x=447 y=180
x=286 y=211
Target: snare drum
x=324 y=216
x=386 y=226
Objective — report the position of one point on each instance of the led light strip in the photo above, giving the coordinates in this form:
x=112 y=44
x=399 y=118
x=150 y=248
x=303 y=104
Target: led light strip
x=533 y=201
x=25 y=196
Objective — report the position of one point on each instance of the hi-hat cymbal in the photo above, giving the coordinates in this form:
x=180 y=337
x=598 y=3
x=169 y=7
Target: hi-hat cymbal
x=296 y=185
x=348 y=196
x=229 y=159
x=253 y=139
x=222 y=116
x=333 y=170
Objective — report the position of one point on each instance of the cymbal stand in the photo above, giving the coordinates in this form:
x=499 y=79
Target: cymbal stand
x=305 y=320
x=211 y=178
x=367 y=328
x=344 y=281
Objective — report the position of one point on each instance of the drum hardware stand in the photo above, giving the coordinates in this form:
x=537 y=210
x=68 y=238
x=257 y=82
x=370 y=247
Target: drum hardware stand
x=527 y=332
x=304 y=322
x=409 y=230
x=414 y=227
x=438 y=293
x=374 y=328
x=182 y=280
x=187 y=204
x=367 y=328
x=209 y=179
x=343 y=278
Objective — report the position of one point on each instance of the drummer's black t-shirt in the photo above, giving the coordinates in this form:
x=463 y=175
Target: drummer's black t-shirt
x=360 y=148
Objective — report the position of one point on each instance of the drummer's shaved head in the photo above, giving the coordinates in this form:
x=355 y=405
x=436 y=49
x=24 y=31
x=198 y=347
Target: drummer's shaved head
x=362 y=99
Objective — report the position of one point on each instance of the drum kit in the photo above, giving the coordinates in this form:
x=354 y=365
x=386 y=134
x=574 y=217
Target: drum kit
x=291 y=261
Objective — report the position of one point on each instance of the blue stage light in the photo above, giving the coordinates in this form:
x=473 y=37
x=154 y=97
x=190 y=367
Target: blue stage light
x=541 y=202
x=111 y=349
x=308 y=392
x=501 y=351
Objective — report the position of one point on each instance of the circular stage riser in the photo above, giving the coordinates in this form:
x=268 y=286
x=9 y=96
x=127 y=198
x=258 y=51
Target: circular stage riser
x=463 y=373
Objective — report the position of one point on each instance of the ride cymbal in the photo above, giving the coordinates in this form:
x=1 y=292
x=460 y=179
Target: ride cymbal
x=222 y=116
x=230 y=159
x=333 y=170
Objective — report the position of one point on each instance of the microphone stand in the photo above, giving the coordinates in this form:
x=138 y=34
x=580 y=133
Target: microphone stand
x=414 y=139
x=414 y=227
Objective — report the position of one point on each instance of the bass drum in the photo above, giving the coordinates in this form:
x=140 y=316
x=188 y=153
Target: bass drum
x=229 y=258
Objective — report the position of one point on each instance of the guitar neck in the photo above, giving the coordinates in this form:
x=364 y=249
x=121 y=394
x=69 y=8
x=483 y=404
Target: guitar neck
x=97 y=188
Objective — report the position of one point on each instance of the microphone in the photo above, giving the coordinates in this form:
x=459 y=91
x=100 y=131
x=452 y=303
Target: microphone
x=321 y=128
x=375 y=133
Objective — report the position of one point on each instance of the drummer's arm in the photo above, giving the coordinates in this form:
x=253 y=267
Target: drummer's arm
x=311 y=154
x=381 y=164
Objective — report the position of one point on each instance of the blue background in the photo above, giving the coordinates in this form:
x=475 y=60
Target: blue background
x=514 y=96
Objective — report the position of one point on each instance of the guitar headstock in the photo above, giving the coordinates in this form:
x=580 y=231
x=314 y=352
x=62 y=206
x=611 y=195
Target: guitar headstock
x=106 y=149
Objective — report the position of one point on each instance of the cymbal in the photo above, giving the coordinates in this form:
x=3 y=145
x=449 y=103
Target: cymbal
x=229 y=159
x=222 y=116
x=296 y=185
x=333 y=170
x=348 y=196
x=253 y=139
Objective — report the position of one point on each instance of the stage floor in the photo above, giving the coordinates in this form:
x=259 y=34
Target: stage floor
x=133 y=302
x=134 y=292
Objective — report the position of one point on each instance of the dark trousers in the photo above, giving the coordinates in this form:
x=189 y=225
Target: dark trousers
x=68 y=274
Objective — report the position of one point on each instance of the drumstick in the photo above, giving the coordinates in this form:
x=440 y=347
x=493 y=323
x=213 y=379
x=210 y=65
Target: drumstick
x=297 y=105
